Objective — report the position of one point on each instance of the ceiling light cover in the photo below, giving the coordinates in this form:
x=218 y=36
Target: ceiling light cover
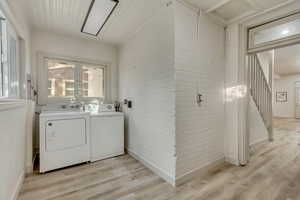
x=98 y=14
x=285 y=31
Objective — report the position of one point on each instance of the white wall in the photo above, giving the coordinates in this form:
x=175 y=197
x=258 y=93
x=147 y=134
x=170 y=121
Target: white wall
x=285 y=84
x=146 y=71
x=12 y=150
x=168 y=61
x=15 y=135
x=61 y=45
x=199 y=68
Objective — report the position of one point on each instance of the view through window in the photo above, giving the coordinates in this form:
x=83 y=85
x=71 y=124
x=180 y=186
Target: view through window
x=92 y=81
x=68 y=79
x=9 y=67
x=61 y=78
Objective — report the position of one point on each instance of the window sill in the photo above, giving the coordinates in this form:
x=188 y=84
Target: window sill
x=9 y=104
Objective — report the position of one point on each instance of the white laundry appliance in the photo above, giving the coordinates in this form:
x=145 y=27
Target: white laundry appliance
x=107 y=133
x=64 y=139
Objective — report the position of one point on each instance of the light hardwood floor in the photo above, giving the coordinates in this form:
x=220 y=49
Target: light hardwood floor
x=273 y=174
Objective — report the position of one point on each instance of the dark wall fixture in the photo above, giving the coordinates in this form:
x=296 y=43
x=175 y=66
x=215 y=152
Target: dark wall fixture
x=98 y=14
x=128 y=103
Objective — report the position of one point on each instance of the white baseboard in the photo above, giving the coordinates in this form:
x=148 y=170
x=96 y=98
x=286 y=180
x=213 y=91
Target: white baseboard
x=199 y=171
x=29 y=169
x=153 y=167
x=29 y=166
x=257 y=142
x=95 y=159
x=18 y=187
x=232 y=161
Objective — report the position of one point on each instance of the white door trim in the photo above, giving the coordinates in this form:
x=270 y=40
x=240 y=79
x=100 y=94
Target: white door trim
x=243 y=103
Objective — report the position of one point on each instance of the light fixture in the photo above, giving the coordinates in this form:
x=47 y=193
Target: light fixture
x=285 y=31
x=97 y=16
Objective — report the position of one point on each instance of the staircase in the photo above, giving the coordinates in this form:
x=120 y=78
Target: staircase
x=261 y=92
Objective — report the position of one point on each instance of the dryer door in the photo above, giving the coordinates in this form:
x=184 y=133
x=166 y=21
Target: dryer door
x=65 y=133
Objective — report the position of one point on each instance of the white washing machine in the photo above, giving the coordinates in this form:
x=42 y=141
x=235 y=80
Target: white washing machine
x=64 y=139
x=107 y=133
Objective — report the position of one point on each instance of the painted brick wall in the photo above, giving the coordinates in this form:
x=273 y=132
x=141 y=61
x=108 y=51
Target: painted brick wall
x=199 y=67
x=146 y=76
x=161 y=68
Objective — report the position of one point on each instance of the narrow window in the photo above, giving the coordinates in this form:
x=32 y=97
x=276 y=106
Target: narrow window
x=9 y=57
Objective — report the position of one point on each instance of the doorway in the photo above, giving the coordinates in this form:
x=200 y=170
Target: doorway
x=269 y=47
x=280 y=68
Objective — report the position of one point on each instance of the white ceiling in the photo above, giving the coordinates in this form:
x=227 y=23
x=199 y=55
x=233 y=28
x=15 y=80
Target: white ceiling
x=67 y=16
x=287 y=60
x=231 y=10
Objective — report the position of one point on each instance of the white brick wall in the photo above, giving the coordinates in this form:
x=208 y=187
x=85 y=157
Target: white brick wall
x=161 y=68
x=146 y=76
x=199 y=67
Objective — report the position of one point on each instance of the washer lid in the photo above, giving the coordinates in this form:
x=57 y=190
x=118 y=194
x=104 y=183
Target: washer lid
x=63 y=113
x=104 y=114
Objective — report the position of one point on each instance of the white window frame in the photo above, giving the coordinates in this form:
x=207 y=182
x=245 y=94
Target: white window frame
x=58 y=99
x=42 y=67
x=7 y=34
x=2 y=88
x=13 y=35
x=284 y=41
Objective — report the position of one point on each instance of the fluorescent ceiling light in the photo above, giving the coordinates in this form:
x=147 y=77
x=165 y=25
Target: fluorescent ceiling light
x=285 y=31
x=98 y=14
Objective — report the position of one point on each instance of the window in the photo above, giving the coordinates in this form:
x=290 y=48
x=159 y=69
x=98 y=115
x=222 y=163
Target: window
x=276 y=33
x=13 y=69
x=92 y=81
x=9 y=65
x=4 y=68
x=74 y=79
x=61 y=77
x=2 y=73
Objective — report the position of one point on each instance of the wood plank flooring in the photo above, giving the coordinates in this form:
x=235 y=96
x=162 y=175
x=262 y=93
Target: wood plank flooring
x=273 y=174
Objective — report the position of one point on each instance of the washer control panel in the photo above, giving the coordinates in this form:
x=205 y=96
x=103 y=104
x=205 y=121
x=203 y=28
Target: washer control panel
x=106 y=108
